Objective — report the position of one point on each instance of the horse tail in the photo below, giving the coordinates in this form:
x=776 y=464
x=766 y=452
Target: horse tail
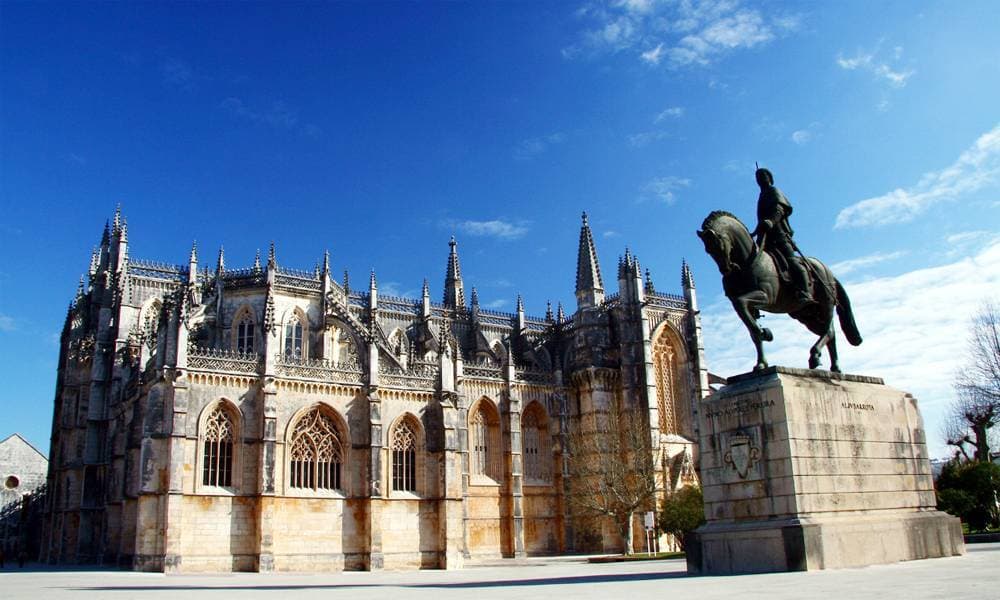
x=846 y=316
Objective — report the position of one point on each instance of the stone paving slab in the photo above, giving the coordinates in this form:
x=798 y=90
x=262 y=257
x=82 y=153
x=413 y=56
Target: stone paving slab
x=975 y=575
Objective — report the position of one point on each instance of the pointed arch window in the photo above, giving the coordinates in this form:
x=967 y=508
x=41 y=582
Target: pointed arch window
x=404 y=457
x=219 y=440
x=534 y=436
x=671 y=392
x=317 y=454
x=484 y=443
x=293 y=338
x=245 y=334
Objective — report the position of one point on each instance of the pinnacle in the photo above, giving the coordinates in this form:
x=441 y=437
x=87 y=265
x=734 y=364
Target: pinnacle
x=588 y=270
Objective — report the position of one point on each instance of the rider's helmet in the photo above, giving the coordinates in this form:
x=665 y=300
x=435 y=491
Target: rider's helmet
x=764 y=177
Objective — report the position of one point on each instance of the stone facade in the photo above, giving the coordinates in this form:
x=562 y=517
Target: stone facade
x=808 y=470
x=22 y=483
x=266 y=418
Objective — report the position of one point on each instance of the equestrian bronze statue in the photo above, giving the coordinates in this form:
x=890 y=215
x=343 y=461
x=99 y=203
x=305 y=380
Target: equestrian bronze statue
x=770 y=274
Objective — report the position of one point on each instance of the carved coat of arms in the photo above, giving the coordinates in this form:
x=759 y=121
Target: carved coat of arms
x=742 y=454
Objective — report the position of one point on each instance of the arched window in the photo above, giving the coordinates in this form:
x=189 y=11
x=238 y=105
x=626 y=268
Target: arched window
x=484 y=442
x=293 y=337
x=671 y=394
x=219 y=439
x=245 y=334
x=317 y=454
x=535 y=440
x=404 y=457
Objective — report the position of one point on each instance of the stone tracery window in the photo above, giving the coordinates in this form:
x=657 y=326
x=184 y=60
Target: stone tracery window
x=670 y=389
x=404 y=457
x=317 y=453
x=245 y=333
x=535 y=447
x=218 y=442
x=293 y=337
x=484 y=443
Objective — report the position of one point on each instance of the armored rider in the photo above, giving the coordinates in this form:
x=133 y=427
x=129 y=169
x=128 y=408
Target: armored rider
x=774 y=234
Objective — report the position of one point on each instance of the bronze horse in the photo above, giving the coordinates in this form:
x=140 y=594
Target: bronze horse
x=752 y=282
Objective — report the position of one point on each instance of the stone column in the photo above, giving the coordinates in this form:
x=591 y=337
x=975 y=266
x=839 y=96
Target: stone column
x=513 y=414
x=376 y=558
x=266 y=482
x=451 y=515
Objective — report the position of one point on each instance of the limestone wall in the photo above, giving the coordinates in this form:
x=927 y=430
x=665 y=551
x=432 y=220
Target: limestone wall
x=410 y=534
x=486 y=522
x=218 y=533
x=319 y=534
x=541 y=520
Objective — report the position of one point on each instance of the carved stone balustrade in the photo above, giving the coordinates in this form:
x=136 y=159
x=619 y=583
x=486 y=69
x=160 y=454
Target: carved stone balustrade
x=224 y=361
x=349 y=372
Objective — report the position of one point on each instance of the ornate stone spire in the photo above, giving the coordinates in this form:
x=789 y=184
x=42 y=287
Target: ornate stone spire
x=256 y=261
x=649 y=283
x=123 y=232
x=454 y=294
x=95 y=262
x=117 y=220
x=560 y=315
x=475 y=297
x=347 y=283
x=589 y=285
x=372 y=283
x=193 y=258
x=520 y=304
x=687 y=280
x=272 y=259
x=548 y=312
x=220 y=266
x=326 y=262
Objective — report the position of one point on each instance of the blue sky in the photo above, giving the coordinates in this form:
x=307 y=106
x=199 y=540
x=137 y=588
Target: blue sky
x=379 y=130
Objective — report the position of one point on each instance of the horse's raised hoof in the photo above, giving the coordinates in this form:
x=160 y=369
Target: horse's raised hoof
x=813 y=360
x=766 y=335
x=834 y=368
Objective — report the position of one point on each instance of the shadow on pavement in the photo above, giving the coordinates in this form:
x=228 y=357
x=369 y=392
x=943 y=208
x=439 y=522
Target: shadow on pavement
x=579 y=579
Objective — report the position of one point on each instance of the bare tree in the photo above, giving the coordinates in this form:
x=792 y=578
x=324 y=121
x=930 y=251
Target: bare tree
x=976 y=410
x=612 y=468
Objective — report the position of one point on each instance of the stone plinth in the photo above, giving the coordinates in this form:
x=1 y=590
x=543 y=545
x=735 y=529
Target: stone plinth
x=805 y=469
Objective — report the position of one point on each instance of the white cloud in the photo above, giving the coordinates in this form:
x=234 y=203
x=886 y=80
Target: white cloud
x=976 y=168
x=644 y=138
x=278 y=115
x=7 y=323
x=686 y=33
x=673 y=112
x=653 y=56
x=664 y=188
x=801 y=136
x=497 y=228
x=844 y=267
x=868 y=61
x=532 y=147
x=915 y=326
x=965 y=237
x=611 y=233
x=392 y=288
x=495 y=304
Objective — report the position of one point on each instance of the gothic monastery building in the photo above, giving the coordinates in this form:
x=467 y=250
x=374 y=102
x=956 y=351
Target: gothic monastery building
x=266 y=418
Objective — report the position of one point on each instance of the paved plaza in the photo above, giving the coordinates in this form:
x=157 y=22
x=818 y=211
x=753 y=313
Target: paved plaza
x=976 y=575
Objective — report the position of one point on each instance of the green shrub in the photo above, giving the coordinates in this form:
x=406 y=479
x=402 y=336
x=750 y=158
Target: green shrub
x=969 y=490
x=683 y=511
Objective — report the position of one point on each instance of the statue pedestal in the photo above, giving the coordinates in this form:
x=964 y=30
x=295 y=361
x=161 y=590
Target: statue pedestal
x=805 y=469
